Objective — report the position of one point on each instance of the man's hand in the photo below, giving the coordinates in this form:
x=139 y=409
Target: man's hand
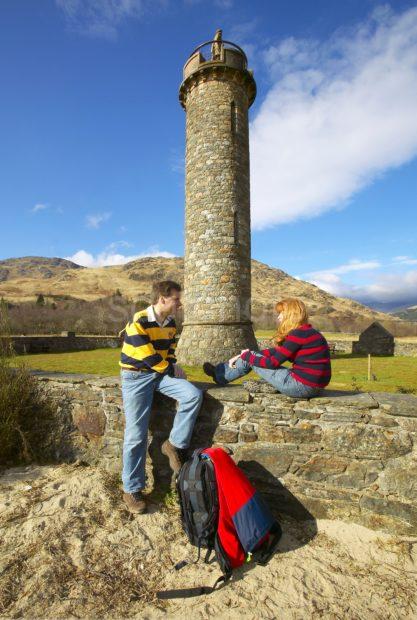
x=179 y=372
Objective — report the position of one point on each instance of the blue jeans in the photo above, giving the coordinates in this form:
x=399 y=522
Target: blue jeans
x=138 y=389
x=281 y=378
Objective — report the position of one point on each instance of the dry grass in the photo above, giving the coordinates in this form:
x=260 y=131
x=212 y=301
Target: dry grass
x=27 y=415
x=106 y=578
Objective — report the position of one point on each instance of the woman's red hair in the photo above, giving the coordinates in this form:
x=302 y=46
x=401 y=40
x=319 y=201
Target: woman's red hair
x=294 y=314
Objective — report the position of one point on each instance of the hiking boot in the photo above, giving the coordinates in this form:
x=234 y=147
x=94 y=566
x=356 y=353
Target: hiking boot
x=210 y=371
x=135 y=502
x=173 y=454
x=183 y=454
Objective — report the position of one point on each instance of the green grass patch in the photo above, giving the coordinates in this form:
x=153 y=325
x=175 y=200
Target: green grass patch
x=392 y=374
x=103 y=362
x=98 y=362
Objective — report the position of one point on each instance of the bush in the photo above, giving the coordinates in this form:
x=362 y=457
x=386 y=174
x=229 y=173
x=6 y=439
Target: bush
x=27 y=415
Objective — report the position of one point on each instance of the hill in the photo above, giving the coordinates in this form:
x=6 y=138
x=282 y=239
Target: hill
x=23 y=279
x=407 y=314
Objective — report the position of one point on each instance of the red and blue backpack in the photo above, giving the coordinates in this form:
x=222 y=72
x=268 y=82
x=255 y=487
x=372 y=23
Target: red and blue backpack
x=222 y=512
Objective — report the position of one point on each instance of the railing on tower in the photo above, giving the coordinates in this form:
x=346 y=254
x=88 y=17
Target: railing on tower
x=222 y=52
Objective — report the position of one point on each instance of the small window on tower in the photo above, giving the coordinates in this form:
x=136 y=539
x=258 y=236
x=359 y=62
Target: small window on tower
x=233 y=118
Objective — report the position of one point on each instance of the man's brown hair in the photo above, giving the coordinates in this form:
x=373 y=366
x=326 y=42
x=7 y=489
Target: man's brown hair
x=164 y=289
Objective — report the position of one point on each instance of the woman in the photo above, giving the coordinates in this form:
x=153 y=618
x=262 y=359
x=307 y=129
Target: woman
x=296 y=341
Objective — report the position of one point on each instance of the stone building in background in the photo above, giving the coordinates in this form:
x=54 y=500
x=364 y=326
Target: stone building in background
x=375 y=340
x=216 y=94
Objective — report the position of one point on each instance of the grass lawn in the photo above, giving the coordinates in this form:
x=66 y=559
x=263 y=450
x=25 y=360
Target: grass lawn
x=393 y=374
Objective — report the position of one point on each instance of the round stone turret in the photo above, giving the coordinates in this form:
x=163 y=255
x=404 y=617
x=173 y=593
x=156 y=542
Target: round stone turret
x=216 y=94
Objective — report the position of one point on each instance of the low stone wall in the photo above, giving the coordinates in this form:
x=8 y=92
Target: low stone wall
x=342 y=455
x=62 y=344
x=341 y=346
x=408 y=349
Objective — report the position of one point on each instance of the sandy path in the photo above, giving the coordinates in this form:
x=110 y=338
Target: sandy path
x=70 y=550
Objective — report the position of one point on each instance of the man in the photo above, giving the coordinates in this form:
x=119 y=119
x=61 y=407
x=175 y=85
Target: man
x=147 y=364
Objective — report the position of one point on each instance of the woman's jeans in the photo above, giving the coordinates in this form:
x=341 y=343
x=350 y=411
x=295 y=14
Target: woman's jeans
x=138 y=389
x=281 y=378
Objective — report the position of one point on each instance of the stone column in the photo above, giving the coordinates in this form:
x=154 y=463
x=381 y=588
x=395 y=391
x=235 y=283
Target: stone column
x=216 y=95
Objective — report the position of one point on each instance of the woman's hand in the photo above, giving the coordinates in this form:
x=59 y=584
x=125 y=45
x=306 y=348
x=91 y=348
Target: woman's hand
x=233 y=360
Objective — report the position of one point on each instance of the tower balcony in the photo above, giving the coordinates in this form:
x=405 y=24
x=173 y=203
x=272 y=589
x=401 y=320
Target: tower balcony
x=217 y=57
x=212 y=53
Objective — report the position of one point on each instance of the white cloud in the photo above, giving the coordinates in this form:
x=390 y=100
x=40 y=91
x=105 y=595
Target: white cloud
x=119 y=244
x=245 y=35
x=390 y=287
x=404 y=260
x=224 y=4
x=329 y=279
x=109 y=257
x=102 y=18
x=394 y=288
x=39 y=207
x=338 y=115
x=95 y=221
x=357 y=265
x=177 y=161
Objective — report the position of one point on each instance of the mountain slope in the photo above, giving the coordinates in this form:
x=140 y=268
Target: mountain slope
x=407 y=314
x=25 y=278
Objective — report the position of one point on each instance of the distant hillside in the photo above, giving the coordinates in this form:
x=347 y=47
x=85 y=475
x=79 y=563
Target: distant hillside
x=391 y=307
x=34 y=267
x=23 y=279
x=407 y=314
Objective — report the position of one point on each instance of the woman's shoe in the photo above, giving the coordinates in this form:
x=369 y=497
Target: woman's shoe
x=210 y=371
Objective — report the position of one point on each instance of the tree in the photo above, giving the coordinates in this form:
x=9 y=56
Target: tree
x=40 y=300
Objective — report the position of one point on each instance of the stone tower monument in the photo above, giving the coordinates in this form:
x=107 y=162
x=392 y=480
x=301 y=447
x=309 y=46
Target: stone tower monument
x=216 y=94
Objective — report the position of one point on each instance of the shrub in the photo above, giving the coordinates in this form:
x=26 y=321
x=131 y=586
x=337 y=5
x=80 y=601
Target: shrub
x=27 y=412
x=405 y=390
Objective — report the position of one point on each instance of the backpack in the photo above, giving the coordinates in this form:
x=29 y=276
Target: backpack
x=222 y=512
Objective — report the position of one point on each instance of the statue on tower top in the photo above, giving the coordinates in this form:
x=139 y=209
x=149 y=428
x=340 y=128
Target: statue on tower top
x=217 y=45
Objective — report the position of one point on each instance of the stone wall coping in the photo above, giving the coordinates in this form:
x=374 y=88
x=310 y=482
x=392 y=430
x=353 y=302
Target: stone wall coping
x=404 y=405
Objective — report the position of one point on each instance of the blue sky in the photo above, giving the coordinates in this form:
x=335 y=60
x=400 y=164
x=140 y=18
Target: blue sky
x=92 y=134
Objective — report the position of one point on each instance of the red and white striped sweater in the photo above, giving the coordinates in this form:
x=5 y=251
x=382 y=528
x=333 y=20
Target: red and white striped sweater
x=308 y=351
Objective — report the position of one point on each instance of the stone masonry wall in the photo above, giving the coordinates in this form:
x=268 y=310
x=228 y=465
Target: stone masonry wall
x=61 y=344
x=401 y=349
x=343 y=455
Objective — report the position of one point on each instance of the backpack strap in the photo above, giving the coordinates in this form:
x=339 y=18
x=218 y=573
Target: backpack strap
x=270 y=545
x=191 y=592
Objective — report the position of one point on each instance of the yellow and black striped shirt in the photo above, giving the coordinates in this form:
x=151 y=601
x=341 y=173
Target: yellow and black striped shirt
x=148 y=345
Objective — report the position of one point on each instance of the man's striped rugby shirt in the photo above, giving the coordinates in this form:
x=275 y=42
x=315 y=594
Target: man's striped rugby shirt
x=149 y=346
